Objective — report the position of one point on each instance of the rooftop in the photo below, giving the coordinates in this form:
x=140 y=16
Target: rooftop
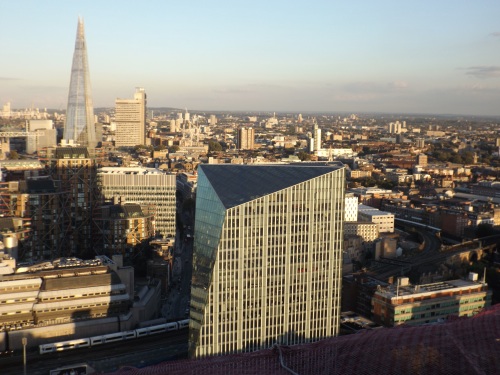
x=236 y=184
x=392 y=291
x=130 y=170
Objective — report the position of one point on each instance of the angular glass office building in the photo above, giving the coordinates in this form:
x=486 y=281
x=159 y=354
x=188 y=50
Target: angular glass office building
x=79 y=127
x=267 y=256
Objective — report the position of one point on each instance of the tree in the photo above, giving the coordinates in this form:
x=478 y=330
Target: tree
x=173 y=148
x=303 y=156
x=214 y=146
x=13 y=155
x=468 y=157
x=457 y=159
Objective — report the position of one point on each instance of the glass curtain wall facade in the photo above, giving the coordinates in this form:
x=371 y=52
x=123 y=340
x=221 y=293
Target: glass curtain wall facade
x=79 y=127
x=267 y=257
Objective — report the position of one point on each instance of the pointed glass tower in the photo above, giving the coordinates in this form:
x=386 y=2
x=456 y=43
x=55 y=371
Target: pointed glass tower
x=80 y=126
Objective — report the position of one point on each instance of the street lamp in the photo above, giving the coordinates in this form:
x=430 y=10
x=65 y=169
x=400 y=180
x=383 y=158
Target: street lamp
x=24 y=341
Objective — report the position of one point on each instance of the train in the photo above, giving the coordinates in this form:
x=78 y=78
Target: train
x=112 y=337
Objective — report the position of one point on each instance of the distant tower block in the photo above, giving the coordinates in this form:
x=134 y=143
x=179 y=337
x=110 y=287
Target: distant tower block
x=80 y=125
x=246 y=137
x=421 y=159
x=317 y=137
x=130 y=116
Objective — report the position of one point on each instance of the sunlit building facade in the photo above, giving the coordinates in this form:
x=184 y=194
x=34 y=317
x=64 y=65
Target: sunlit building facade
x=246 y=137
x=130 y=117
x=267 y=256
x=151 y=188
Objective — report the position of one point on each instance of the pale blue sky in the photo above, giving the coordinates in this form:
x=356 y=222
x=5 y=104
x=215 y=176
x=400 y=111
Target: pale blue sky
x=439 y=56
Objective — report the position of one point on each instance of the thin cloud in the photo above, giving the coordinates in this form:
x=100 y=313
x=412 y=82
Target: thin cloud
x=398 y=85
x=9 y=79
x=496 y=34
x=375 y=87
x=483 y=71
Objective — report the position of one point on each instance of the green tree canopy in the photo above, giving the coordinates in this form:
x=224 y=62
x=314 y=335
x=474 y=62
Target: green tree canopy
x=304 y=156
x=214 y=146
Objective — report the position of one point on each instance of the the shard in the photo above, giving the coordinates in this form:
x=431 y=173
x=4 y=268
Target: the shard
x=80 y=126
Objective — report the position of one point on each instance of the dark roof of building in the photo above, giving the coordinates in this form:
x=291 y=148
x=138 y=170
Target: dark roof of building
x=459 y=346
x=42 y=185
x=236 y=184
x=7 y=223
x=79 y=281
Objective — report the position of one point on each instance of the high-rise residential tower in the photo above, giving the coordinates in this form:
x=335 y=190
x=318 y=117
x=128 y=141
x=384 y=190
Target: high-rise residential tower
x=267 y=256
x=79 y=127
x=130 y=117
x=246 y=138
x=317 y=137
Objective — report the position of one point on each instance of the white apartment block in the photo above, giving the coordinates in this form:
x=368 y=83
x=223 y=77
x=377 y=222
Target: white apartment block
x=384 y=220
x=351 y=208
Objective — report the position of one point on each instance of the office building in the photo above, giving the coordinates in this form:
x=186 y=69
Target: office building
x=130 y=118
x=45 y=135
x=151 y=188
x=267 y=256
x=79 y=127
x=246 y=138
x=70 y=298
x=404 y=303
x=368 y=231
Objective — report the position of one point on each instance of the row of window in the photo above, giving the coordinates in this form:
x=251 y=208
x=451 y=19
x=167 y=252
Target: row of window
x=63 y=297
x=77 y=307
x=17 y=300
x=24 y=287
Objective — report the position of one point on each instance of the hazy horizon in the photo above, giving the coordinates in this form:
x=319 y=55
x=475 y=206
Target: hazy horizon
x=283 y=56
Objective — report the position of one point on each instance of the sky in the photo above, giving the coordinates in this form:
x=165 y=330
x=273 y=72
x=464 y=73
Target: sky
x=427 y=56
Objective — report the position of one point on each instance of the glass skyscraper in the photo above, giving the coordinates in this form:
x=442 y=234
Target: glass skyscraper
x=267 y=256
x=80 y=125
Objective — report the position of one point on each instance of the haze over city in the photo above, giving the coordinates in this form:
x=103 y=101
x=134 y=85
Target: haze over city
x=386 y=56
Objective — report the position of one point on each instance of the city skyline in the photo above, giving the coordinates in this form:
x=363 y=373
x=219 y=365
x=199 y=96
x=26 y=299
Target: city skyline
x=282 y=56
